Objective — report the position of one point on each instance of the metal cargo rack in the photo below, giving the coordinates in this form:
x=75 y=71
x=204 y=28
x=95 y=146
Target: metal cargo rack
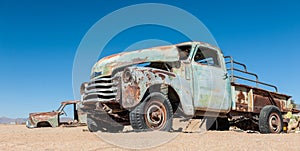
x=229 y=60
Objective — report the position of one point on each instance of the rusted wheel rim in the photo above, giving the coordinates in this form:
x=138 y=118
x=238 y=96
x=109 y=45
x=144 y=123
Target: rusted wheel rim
x=155 y=115
x=274 y=122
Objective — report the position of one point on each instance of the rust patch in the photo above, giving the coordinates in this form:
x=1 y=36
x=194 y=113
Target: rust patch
x=131 y=96
x=261 y=91
x=70 y=102
x=241 y=102
x=241 y=98
x=164 y=72
x=162 y=76
x=43 y=116
x=163 y=47
x=139 y=59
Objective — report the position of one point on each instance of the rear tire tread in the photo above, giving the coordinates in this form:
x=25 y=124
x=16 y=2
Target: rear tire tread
x=264 y=116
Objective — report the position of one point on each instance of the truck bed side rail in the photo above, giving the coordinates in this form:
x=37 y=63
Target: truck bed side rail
x=229 y=60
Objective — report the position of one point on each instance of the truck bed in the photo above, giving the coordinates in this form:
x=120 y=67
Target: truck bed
x=252 y=99
x=246 y=98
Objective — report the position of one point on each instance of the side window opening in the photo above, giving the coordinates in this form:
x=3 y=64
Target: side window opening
x=207 y=56
x=184 y=51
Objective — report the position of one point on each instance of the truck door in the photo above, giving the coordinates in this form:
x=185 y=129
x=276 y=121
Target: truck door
x=210 y=81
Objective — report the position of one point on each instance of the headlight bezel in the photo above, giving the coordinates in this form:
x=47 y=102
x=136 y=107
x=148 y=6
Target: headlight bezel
x=127 y=76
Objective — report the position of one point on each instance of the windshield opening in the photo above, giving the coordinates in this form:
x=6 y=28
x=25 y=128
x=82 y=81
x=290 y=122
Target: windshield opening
x=184 y=51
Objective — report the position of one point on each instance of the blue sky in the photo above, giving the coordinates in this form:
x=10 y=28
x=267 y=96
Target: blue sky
x=39 y=39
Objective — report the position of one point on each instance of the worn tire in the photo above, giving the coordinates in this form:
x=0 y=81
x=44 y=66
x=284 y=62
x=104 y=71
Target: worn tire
x=154 y=113
x=95 y=125
x=270 y=120
x=91 y=123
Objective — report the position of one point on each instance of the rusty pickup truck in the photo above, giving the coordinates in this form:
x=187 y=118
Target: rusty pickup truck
x=52 y=119
x=148 y=88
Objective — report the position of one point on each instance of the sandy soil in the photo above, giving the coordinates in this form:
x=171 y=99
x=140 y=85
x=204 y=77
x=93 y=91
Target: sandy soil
x=18 y=137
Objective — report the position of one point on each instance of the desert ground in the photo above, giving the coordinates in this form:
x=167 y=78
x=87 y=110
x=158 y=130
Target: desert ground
x=18 y=137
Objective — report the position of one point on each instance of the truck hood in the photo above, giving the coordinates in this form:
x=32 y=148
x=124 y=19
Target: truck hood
x=106 y=65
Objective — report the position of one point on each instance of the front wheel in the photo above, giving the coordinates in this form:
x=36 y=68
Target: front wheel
x=154 y=113
x=270 y=120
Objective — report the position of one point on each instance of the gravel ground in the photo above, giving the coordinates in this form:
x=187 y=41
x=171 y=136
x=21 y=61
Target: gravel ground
x=18 y=137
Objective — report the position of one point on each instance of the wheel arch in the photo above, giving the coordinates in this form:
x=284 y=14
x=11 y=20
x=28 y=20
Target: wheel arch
x=175 y=97
x=44 y=124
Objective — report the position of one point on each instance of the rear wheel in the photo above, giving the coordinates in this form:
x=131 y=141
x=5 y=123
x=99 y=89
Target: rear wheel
x=270 y=120
x=154 y=113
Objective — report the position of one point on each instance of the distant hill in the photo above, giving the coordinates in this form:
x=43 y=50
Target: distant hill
x=6 y=120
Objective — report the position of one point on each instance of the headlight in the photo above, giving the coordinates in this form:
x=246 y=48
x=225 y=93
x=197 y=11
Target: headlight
x=127 y=76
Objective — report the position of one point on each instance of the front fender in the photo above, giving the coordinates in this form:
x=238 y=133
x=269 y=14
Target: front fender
x=143 y=78
x=51 y=119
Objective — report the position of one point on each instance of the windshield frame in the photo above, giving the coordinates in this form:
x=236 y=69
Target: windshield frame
x=61 y=107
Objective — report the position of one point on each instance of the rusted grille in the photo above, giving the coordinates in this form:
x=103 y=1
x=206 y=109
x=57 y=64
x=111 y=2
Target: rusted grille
x=101 y=89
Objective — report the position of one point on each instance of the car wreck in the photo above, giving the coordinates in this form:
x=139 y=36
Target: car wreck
x=52 y=119
x=148 y=88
